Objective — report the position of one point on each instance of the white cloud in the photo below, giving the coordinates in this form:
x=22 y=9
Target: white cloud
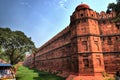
x=62 y=3
x=25 y=4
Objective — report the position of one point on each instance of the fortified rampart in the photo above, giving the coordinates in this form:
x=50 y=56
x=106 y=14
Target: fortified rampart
x=90 y=45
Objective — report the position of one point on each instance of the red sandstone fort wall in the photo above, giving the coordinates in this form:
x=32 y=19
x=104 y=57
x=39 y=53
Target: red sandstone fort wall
x=90 y=44
x=112 y=62
x=110 y=39
x=55 y=54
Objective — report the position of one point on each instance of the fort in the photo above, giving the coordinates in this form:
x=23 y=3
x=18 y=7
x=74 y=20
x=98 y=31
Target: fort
x=90 y=45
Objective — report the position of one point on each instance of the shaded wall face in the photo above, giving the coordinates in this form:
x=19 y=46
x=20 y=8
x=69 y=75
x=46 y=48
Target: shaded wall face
x=112 y=62
x=57 y=59
x=107 y=27
x=110 y=36
x=58 y=56
x=111 y=44
x=110 y=39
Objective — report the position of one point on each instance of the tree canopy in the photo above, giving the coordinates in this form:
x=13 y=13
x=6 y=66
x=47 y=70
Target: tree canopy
x=115 y=8
x=13 y=45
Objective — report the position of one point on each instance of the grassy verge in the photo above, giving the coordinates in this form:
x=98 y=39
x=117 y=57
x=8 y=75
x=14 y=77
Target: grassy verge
x=24 y=73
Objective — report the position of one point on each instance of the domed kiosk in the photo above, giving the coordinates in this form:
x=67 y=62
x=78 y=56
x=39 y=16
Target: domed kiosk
x=83 y=49
x=82 y=6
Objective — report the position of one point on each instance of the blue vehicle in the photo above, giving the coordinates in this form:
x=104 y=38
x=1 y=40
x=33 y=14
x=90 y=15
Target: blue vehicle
x=6 y=72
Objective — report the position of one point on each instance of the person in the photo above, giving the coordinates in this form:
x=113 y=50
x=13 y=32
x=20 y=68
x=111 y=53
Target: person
x=8 y=73
x=117 y=76
x=1 y=73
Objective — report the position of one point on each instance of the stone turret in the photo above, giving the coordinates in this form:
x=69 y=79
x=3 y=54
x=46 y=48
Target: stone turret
x=85 y=38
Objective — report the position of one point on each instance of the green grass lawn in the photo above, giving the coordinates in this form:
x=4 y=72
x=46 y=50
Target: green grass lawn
x=24 y=73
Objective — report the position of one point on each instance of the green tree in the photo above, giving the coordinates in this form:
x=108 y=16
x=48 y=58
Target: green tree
x=14 y=44
x=115 y=8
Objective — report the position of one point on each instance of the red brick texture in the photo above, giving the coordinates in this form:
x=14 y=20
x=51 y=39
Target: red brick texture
x=89 y=46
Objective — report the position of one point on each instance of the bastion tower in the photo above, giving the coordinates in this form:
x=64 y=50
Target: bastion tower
x=86 y=42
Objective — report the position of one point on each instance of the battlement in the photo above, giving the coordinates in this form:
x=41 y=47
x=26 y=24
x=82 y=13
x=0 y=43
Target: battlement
x=84 y=11
x=104 y=15
x=89 y=46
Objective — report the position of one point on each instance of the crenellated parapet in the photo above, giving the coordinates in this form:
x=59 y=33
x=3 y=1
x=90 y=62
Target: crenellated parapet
x=85 y=47
x=84 y=11
x=104 y=15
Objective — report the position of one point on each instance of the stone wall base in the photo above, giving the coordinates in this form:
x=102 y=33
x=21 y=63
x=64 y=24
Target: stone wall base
x=75 y=77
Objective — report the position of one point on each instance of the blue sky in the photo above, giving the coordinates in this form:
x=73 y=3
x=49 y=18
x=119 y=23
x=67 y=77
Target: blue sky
x=42 y=19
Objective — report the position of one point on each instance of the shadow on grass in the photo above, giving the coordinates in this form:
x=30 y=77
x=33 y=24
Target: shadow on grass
x=46 y=76
x=25 y=73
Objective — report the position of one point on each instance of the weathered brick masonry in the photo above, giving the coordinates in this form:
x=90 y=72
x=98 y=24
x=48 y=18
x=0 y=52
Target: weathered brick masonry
x=90 y=45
